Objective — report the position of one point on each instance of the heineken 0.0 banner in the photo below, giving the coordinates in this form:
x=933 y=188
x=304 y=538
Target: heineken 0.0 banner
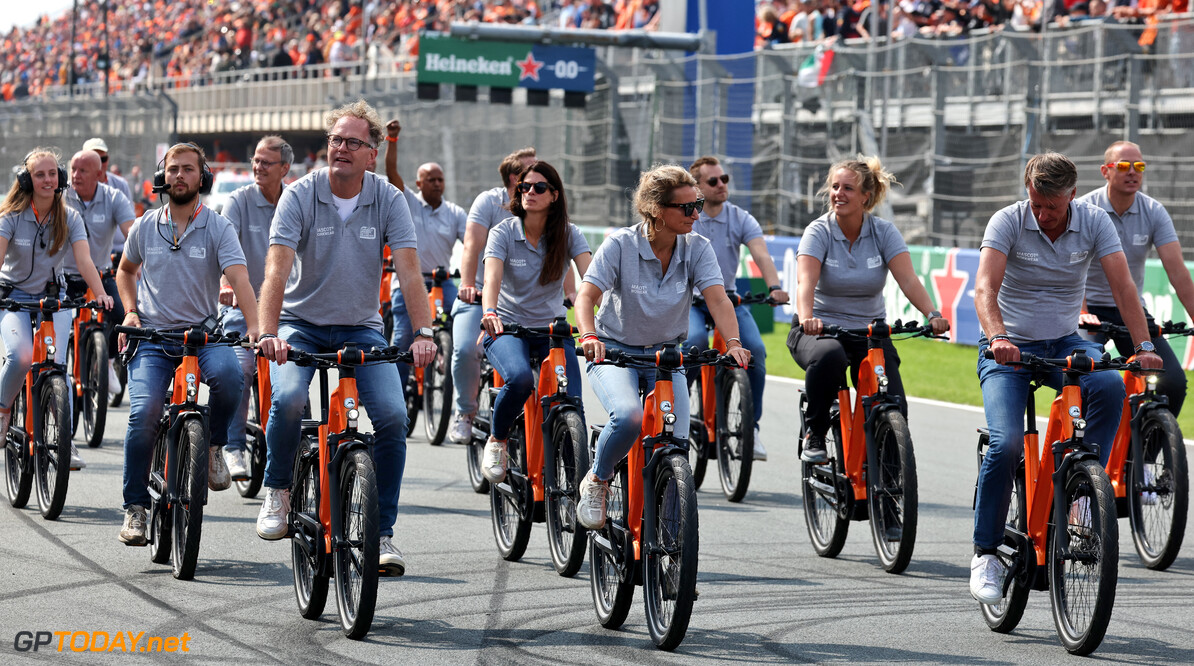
x=505 y=64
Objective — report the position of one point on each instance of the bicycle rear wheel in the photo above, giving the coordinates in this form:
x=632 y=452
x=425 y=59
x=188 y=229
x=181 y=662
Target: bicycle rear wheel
x=159 y=513
x=476 y=446
x=827 y=496
x=254 y=447
x=670 y=571
x=511 y=500
x=611 y=574
x=51 y=459
x=95 y=388
x=306 y=548
x=1082 y=581
x=565 y=536
x=18 y=468
x=1158 y=497
x=413 y=402
x=123 y=375
x=356 y=564
x=698 y=435
x=892 y=492
x=75 y=387
x=735 y=433
x=1004 y=616
x=187 y=511
x=437 y=390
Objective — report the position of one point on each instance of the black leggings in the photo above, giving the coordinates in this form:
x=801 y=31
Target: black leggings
x=825 y=361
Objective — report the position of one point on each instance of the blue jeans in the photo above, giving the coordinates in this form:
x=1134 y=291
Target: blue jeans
x=381 y=395
x=233 y=321
x=150 y=373
x=1005 y=397
x=403 y=334
x=511 y=358
x=748 y=333
x=618 y=390
x=466 y=355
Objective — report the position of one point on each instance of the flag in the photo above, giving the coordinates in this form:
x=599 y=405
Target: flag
x=814 y=69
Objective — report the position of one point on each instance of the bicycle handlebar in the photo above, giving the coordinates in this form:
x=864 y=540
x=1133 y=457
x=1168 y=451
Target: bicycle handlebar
x=560 y=328
x=440 y=274
x=880 y=329
x=1167 y=328
x=191 y=336
x=744 y=299
x=690 y=359
x=339 y=358
x=1078 y=362
x=47 y=305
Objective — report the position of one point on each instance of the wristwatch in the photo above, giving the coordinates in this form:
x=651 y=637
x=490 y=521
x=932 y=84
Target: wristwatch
x=1146 y=346
x=935 y=314
x=425 y=332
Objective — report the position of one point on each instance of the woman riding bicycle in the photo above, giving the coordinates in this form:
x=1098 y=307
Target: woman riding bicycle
x=650 y=271
x=35 y=226
x=537 y=243
x=859 y=249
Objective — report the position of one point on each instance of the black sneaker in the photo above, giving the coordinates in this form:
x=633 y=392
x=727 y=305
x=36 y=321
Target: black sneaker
x=813 y=450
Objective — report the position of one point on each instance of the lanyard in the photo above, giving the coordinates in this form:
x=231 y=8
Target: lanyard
x=174 y=229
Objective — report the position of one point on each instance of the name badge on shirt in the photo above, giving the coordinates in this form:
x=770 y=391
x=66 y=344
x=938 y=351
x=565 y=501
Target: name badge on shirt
x=368 y=233
x=1078 y=257
x=874 y=262
x=97 y=218
x=198 y=253
x=1139 y=239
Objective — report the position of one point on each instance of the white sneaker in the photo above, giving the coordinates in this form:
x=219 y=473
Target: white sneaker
x=493 y=463
x=590 y=508
x=986 y=579
x=461 y=431
x=235 y=461
x=113 y=378
x=390 y=561
x=5 y=421
x=760 y=452
x=217 y=472
x=76 y=461
x=1080 y=513
x=132 y=533
x=271 y=520
x=1149 y=497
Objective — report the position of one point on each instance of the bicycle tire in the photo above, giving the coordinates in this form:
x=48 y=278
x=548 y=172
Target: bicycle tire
x=508 y=501
x=187 y=512
x=356 y=567
x=735 y=433
x=51 y=461
x=76 y=410
x=95 y=388
x=310 y=586
x=892 y=492
x=698 y=435
x=476 y=446
x=254 y=447
x=565 y=536
x=1157 y=510
x=611 y=577
x=159 y=520
x=825 y=500
x=18 y=467
x=670 y=565
x=1006 y=615
x=1082 y=594
x=123 y=375
x=413 y=403
x=437 y=390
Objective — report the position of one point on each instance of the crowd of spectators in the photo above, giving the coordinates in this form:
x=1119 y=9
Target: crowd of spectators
x=787 y=21
x=139 y=42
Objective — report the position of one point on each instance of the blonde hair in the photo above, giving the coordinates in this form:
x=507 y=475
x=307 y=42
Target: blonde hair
x=359 y=109
x=655 y=188
x=1051 y=174
x=18 y=200
x=873 y=180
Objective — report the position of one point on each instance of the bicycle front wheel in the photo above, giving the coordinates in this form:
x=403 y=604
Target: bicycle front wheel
x=611 y=556
x=18 y=468
x=95 y=388
x=891 y=492
x=1082 y=576
x=356 y=563
x=159 y=514
x=1159 y=495
x=254 y=447
x=565 y=536
x=698 y=435
x=511 y=501
x=52 y=454
x=476 y=446
x=306 y=548
x=827 y=496
x=437 y=390
x=670 y=567
x=413 y=402
x=187 y=511
x=735 y=433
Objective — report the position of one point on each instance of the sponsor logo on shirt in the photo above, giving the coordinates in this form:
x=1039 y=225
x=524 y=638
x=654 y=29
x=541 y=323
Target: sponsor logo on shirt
x=1139 y=239
x=97 y=218
x=368 y=233
x=255 y=228
x=1078 y=257
x=680 y=286
x=518 y=263
x=198 y=253
x=154 y=249
x=325 y=231
x=832 y=263
x=1028 y=256
x=640 y=289
x=24 y=242
x=874 y=262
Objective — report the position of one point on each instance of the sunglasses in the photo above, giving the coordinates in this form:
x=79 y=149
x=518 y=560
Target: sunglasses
x=688 y=208
x=335 y=141
x=539 y=187
x=104 y=159
x=712 y=182
x=1123 y=166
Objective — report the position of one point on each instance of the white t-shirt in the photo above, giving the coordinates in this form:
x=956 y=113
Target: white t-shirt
x=345 y=206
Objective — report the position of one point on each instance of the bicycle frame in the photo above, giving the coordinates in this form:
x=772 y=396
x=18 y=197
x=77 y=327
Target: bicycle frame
x=1140 y=398
x=383 y=291
x=435 y=302
x=708 y=381
x=264 y=391
x=43 y=366
x=84 y=321
x=857 y=423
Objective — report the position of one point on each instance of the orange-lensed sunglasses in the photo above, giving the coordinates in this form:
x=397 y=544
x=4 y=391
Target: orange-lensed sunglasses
x=1123 y=166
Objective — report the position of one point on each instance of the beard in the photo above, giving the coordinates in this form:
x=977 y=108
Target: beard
x=184 y=198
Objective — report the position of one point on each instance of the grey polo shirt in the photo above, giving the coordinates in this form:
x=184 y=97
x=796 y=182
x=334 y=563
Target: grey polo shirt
x=1144 y=225
x=102 y=217
x=118 y=183
x=250 y=214
x=522 y=299
x=728 y=232
x=643 y=306
x=180 y=288
x=849 y=290
x=488 y=209
x=1041 y=296
x=337 y=263
x=437 y=229
x=28 y=264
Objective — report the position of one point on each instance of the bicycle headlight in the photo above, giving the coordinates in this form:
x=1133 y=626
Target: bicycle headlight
x=1152 y=380
x=192 y=386
x=669 y=418
x=561 y=376
x=51 y=350
x=353 y=415
x=1079 y=424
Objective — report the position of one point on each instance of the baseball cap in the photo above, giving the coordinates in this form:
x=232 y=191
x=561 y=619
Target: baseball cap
x=95 y=144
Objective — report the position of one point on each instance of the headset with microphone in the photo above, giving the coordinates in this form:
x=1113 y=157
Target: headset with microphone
x=25 y=179
x=205 y=180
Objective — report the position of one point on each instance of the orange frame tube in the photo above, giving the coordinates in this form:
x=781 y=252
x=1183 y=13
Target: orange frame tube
x=337 y=421
x=1117 y=463
x=1038 y=467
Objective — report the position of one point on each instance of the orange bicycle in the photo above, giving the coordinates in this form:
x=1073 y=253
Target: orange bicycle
x=871 y=472
x=260 y=394
x=1061 y=532
x=430 y=389
x=87 y=357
